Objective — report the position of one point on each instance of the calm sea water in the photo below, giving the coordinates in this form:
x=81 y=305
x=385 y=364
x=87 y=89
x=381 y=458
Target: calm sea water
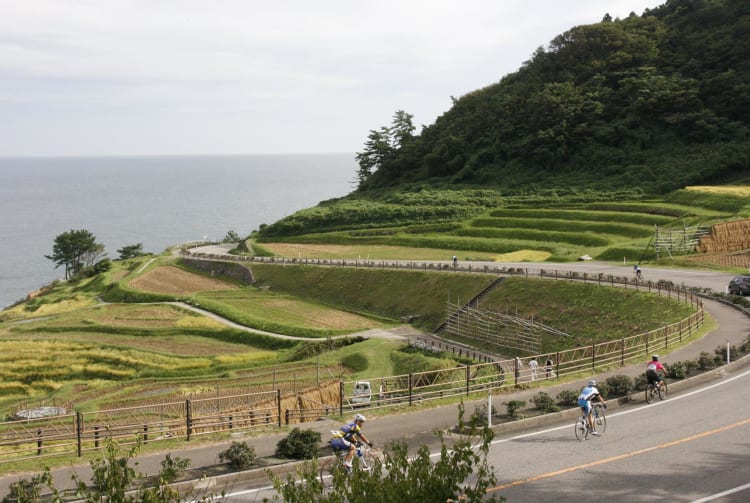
x=157 y=201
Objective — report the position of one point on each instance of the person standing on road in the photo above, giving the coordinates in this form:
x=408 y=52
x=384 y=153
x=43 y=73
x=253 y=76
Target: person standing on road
x=533 y=366
x=519 y=365
x=548 y=367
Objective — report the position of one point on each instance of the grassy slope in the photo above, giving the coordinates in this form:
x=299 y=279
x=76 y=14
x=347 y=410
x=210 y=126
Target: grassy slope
x=129 y=334
x=560 y=228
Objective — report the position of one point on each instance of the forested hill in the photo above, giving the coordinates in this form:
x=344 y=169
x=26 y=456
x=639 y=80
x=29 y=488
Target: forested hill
x=656 y=101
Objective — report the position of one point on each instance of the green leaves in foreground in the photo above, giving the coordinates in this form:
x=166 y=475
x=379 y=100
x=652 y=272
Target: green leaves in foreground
x=461 y=473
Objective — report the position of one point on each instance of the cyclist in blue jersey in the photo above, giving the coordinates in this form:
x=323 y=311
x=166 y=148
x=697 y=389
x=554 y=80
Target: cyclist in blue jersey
x=589 y=393
x=347 y=436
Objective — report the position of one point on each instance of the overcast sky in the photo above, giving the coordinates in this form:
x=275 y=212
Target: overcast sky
x=151 y=77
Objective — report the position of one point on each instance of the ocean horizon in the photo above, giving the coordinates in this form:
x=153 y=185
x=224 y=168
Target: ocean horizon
x=159 y=201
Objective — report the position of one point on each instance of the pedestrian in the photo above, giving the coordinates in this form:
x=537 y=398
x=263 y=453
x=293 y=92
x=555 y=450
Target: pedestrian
x=519 y=364
x=548 y=367
x=455 y=261
x=533 y=365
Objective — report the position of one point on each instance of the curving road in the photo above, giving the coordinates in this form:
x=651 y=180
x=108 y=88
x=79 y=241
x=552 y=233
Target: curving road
x=693 y=447
x=690 y=447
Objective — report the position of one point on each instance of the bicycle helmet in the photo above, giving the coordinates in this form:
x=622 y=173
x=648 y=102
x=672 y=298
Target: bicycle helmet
x=592 y=382
x=359 y=417
x=655 y=358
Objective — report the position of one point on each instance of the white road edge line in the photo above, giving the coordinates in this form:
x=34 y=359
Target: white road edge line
x=722 y=494
x=631 y=411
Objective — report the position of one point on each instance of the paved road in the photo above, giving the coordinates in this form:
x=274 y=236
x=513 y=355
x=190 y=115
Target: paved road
x=716 y=281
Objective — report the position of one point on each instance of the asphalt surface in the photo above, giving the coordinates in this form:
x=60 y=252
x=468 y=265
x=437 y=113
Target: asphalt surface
x=418 y=427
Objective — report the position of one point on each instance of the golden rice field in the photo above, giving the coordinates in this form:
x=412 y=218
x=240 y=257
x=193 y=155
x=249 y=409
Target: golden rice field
x=734 y=190
x=261 y=304
x=379 y=252
x=173 y=280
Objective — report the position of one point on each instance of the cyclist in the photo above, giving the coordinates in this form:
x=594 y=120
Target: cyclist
x=346 y=438
x=584 y=402
x=655 y=371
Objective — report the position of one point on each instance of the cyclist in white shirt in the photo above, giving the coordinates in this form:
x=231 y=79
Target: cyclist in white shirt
x=589 y=393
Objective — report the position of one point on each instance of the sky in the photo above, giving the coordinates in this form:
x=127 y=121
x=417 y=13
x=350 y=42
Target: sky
x=186 y=77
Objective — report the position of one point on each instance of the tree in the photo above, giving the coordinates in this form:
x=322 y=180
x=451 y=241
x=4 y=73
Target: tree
x=131 y=251
x=231 y=237
x=75 y=250
x=401 y=130
x=377 y=150
x=383 y=145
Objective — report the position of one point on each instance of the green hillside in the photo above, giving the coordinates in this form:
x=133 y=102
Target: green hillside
x=586 y=149
x=652 y=102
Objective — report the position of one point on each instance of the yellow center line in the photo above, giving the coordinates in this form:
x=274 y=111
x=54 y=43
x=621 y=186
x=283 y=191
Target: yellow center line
x=618 y=457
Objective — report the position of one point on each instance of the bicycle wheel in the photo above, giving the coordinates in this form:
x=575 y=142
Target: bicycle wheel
x=663 y=391
x=600 y=420
x=327 y=467
x=370 y=457
x=581 y=429
x=650 y=393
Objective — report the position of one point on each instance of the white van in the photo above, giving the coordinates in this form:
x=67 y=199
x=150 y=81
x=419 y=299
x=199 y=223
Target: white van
x=362 y=392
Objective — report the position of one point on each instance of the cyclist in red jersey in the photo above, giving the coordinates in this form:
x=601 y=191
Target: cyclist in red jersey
x=655 y=370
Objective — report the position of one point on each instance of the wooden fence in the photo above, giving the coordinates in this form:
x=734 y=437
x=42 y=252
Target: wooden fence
x=81 y=432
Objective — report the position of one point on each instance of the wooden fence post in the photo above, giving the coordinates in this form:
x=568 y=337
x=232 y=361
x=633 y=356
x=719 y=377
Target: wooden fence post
x=188 y=419
x=278 y=404
x=411 y=387
x=468 y=378
x=79 y=431
x=341 y=397
x=593 y=357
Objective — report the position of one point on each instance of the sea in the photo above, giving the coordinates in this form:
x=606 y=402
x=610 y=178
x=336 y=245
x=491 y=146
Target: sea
x=157 y=201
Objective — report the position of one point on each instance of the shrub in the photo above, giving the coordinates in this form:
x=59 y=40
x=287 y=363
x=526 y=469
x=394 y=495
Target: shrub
x=567 y=397
x=172 y=467
x=544 y=402
x=604 y=389
x=721 y=353
x=239 y=455
x=299 y=444
x=514 y=406
x=640 y=382
x=690 y=366
x=676 y=370
x=25 y=490
x=619 y=385
x=705 y=361
x=355 y=361
x=102 y=266
x=480 y=414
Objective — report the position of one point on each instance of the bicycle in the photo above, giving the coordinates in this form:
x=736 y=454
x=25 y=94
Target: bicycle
x=582 y=428
x=659 y=389
x=366 y=456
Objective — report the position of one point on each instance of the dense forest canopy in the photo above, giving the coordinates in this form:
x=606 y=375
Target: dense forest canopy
x=654 y=102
